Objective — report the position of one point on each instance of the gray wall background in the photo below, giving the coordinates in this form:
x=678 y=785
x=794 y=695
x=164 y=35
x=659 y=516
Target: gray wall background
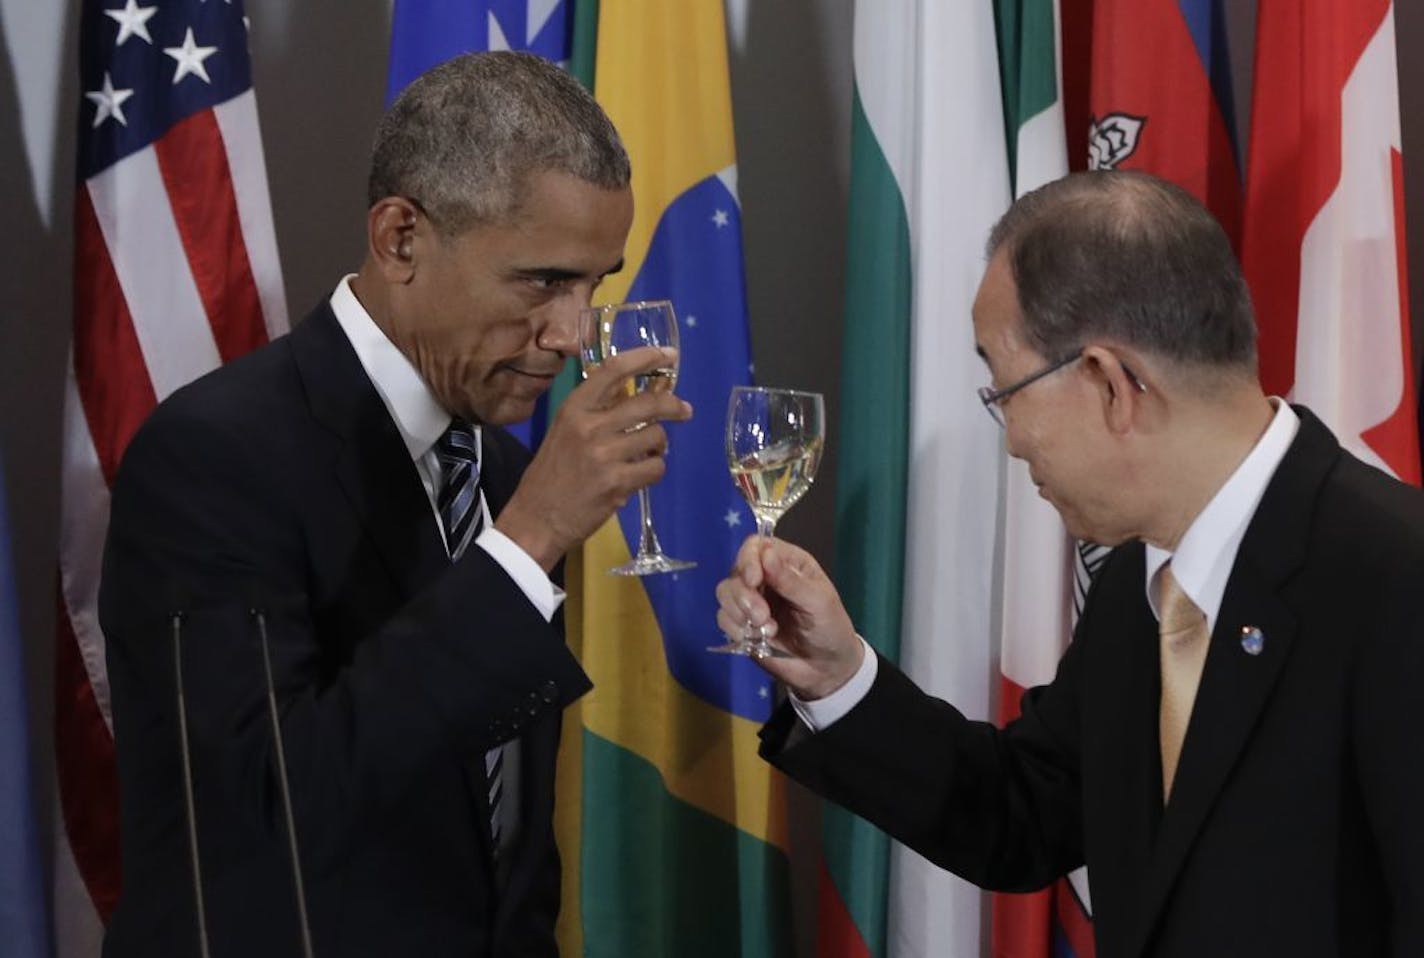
x=319 y=68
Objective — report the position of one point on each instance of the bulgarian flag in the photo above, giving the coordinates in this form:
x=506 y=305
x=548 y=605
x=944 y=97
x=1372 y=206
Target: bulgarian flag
x=1324 y=237
x=916 y=504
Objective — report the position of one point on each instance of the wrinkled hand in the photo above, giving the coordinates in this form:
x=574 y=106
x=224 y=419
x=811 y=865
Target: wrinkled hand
x=779 y=588
x=592 y=458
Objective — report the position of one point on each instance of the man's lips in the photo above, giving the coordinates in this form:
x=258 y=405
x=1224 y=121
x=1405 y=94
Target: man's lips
x=531 y=373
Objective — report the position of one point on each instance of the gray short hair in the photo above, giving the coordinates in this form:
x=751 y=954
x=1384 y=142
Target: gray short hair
x=1132 y=258
x=463 y=139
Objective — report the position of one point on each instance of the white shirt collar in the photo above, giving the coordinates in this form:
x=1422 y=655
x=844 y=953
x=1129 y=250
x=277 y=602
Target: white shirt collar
x=408 y=399
x=1207 y=550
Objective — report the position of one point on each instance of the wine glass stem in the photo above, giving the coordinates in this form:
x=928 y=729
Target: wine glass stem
x=755 y=642
x=648 y=539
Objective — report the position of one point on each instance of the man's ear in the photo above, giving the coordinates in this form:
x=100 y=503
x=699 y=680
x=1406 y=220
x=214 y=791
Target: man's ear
x=1120 y=391
x=390 y=234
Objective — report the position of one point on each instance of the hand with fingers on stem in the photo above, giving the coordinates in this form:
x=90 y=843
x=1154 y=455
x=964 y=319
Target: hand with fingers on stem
x=602 y=447
x=780 y=590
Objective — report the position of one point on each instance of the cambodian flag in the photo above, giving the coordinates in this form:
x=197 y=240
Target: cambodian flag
x=1161 y=98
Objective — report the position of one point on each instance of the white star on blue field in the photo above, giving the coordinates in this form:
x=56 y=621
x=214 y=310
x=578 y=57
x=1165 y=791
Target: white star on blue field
x=695 y=260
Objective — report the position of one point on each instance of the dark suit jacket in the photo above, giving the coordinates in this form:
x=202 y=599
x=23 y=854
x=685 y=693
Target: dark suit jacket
x=1296 y=821
x=280 y=482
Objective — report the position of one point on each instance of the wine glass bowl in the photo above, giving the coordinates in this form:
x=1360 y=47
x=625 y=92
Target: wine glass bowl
x=606 y=331
x=774 y=443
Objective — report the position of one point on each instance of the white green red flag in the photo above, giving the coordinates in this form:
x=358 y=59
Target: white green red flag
x=1036 y=611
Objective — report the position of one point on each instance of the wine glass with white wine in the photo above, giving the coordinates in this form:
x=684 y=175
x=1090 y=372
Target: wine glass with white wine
x=774 y=443
x=604 y=332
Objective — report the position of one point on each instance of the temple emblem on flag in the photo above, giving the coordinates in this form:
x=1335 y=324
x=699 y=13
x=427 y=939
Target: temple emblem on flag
x=1113 y=139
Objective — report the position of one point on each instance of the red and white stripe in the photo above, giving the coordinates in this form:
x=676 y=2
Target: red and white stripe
x=1324 y=238
x=176 y=271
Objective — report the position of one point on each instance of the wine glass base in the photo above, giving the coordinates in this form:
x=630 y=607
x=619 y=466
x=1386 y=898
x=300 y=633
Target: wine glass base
x=732 y=648
x=752 y=650
x=652 y=563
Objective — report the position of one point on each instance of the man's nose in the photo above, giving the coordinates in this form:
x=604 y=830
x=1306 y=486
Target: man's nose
x=560 y=331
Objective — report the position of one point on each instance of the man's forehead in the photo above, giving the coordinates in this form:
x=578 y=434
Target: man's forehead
x=567 y=219
x=996 y=304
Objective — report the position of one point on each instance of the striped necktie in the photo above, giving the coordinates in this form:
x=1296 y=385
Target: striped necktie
x=458 y=503
x=1088 y=559
x=462 y=516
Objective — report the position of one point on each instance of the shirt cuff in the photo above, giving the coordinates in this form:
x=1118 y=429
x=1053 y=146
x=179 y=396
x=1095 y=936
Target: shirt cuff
x=822 y=713
x=537 y=587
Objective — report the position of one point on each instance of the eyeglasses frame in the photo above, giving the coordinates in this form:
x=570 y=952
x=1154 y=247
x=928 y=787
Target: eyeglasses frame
x=993 y=398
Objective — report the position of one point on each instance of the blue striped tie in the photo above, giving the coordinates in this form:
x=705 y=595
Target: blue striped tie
x=462 y=516
x=459 y=499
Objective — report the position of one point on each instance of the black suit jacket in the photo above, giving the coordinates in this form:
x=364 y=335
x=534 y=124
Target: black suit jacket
x=280 y=482
x=1296 y=821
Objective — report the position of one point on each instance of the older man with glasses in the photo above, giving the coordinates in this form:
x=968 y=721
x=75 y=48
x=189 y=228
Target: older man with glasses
x=1228 y=741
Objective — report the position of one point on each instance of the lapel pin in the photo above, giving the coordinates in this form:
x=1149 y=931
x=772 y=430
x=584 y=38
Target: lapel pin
x=1253 y=640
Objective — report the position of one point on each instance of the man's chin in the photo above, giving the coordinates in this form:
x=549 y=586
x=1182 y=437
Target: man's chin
x=1100 y=535
x=508 y=411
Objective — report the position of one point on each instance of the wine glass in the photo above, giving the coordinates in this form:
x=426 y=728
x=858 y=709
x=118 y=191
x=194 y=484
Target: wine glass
x=604 y=332
x=774 y=443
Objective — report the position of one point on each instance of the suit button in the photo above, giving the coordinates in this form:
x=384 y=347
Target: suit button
x=549 y=691
x=533 y=710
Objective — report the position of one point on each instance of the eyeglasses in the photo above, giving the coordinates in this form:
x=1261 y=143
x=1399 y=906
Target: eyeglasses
x=991 y=398
x=994 y=398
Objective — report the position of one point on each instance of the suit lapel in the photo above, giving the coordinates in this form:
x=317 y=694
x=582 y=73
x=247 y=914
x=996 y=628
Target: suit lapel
x=1121 y=772
x=497 y=474
x=1236 y=685
x=371 y=466
x=536 y=805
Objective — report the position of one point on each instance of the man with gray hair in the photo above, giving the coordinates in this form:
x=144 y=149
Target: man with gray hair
x=345 y=502
x=1229 y=741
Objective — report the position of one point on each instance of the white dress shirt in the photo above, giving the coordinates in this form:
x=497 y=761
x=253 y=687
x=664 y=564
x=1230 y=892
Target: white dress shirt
x=1207 y=550
x=421 y=422
x=1202 y=561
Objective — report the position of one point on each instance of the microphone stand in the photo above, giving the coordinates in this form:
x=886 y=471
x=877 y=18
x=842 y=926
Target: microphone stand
x=190 y=806
x=284 y=785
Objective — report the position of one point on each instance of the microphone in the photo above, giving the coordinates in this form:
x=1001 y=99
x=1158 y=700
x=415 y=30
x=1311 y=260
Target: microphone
x=260 y=618
x=189 y=807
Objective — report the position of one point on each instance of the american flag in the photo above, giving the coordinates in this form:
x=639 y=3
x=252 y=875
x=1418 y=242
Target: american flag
x=176 y=271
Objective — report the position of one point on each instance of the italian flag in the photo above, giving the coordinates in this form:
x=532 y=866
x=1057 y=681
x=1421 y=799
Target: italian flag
x=916 y=509
x=1036 y=612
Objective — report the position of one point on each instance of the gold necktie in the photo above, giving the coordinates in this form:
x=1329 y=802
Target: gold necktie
x=1184 y=640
